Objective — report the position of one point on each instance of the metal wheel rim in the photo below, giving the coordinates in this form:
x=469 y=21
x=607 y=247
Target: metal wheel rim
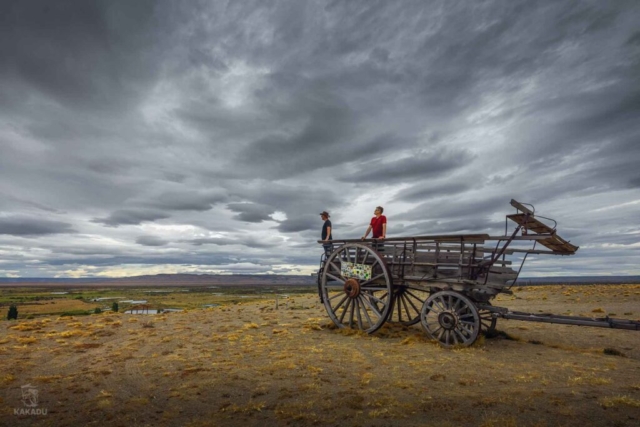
x=451 y=319
x=368 y=310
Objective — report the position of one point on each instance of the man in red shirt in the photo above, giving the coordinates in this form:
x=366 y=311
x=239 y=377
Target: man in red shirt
x=378 y=225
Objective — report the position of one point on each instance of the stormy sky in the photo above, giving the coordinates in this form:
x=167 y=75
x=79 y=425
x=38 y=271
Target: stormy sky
x=145 y=137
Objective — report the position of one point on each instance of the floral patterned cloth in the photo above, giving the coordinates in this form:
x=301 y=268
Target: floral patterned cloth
x=357 y=271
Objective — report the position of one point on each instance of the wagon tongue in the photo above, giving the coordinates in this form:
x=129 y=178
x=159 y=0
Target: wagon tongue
x=531 y=225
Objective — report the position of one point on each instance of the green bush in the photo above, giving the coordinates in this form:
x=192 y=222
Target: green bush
x=13 y=312
x=114 y=307
x=97 y=310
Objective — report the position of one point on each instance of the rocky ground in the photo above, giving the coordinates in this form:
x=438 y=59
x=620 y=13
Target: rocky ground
x=249 y=364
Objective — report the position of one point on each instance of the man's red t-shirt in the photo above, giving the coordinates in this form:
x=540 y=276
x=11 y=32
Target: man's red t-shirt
x=376 y=225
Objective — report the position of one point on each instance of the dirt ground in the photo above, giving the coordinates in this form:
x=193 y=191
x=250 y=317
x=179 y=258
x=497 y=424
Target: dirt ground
x=249 y=364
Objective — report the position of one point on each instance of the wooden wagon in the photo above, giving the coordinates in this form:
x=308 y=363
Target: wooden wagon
x=446 y=282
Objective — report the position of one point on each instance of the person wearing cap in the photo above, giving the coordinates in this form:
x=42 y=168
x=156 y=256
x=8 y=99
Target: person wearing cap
x=326 y=233
x=378 y=225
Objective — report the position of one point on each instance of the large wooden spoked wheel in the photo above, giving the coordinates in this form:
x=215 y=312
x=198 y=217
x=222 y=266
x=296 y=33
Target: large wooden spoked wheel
x=407 y=303
x=353 y=302
x=450 y=318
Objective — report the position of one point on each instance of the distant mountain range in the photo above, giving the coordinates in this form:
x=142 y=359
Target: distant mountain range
x=185 y=280
x=202 y=280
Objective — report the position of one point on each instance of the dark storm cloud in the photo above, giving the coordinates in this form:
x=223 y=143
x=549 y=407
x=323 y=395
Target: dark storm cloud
x=186 y=200
x=300 y=223
x=151 y=241
x=124 y=113
x=251 y=212
x=227 y=241
x=419 y=166
x=427 y=190
x=28 y=226
x=131 y=217
x=454 y=209
x=97 y=55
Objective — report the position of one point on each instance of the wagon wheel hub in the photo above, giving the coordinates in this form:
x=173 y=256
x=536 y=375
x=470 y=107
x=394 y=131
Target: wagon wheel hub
x=352 y=288
x=448 y=320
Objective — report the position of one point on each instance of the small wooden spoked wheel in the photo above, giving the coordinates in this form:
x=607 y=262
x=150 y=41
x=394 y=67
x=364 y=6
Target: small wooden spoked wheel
x=450 y=318
x=356 y=288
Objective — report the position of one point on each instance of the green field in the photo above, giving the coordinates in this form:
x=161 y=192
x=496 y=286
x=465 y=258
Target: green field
x=32 y=302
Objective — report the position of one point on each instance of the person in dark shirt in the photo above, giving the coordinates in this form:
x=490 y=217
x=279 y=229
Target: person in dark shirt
x=326 y=233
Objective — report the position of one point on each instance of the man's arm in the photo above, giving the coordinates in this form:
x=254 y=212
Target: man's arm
x=328 y=234
x=367 y=233
x=384 y=230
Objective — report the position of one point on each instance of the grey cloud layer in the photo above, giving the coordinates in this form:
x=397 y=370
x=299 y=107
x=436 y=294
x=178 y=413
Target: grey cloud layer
x=178 y=133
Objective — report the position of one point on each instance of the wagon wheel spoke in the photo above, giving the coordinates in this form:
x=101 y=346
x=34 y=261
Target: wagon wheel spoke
x=337 y=270
x=357 y=300
x=487 y=322
x=439 y=304
x=373 y=279
x=376 y=299
x=416 y=309
x=406 y=307
x=364 y=310
x=374 y=288
x=344 y=310
x=337 y=295
x=434 y=309
x=337 y=279
x=372 y=307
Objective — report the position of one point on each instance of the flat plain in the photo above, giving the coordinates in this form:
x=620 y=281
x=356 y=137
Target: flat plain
x=247 y=363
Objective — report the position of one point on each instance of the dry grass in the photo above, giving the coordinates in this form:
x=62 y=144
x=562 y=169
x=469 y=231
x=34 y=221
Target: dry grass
x=589 y=380
x=245 y=364
x=610 y=402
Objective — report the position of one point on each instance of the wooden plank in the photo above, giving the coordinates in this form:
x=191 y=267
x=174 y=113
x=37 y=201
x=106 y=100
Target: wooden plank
x=550 y=239
x=521 y=207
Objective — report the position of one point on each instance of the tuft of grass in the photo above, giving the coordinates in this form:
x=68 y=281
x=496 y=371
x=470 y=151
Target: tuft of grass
x=366 y=378
x=597 y=310
x=47 y=379
x=500 y=422
x=609 y=402
x=6 y=379
x=27 y=340
x=418 y=338
x=589 y=380
x=73 y=333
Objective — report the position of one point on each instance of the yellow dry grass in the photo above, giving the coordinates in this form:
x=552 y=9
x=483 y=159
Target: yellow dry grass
x=247 y=364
